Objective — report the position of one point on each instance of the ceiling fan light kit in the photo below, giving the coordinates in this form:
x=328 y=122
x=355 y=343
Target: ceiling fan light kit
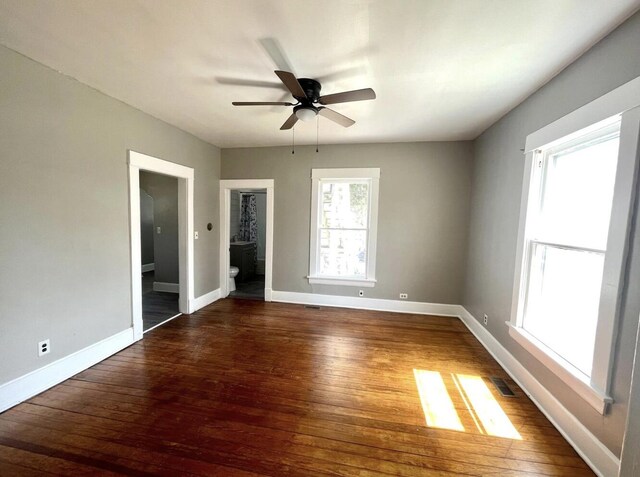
x=305 y=113
x=307 y=93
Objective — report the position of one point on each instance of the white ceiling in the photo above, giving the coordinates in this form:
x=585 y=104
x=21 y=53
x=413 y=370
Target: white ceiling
x=442 y=69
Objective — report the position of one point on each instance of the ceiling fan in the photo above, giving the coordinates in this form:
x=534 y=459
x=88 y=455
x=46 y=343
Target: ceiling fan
x=307 y=93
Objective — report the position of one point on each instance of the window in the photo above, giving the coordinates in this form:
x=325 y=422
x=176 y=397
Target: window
x=343 y=226
x=567 y=243
x=577 y=198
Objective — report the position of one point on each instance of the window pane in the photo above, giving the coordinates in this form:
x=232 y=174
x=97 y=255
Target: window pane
x=562 y=302
x=343 y=253
x=577 y=194
x=344 y=204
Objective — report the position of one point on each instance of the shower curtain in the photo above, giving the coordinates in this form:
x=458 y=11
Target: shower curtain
x=249 y=221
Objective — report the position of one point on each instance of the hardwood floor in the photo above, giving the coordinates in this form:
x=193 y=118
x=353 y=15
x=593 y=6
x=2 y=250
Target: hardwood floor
x=246 y=388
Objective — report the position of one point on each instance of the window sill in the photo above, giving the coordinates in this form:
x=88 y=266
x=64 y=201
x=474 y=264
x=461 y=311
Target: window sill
x=349 y=282
x=573 y=378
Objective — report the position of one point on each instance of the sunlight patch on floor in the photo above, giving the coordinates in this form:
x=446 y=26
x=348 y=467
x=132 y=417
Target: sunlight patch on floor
x=440 y=412
x=436 y=402
x=493 y=420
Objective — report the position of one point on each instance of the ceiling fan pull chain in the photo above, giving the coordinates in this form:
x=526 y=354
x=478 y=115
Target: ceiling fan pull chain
x=317 y=131
x=293 y=141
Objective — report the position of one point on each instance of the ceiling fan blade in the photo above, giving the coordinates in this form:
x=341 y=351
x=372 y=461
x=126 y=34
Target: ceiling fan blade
x=336 y=117
x=276 y=52
x=291 y=83
x=288 y=124
x=263 y=103
x=347 y=96
x=247 y=82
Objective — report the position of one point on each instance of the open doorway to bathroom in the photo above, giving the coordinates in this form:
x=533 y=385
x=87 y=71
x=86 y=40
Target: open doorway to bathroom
x=247 y=243
x=246 y=227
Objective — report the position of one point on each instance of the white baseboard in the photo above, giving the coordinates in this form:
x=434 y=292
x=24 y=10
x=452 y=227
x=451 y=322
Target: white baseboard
x=148 y=267
x=595 y=453
x=268 y=294
x=166 y=287
x=204 y=300
x=35 y=382
x=398 y=306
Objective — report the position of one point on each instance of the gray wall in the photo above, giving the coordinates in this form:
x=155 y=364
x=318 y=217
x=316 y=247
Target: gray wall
x=234 y=212
x=423 y=213
x=495 y=199
x=146 y=228
x=164 y=190
x=64 y=210
x=261 y=213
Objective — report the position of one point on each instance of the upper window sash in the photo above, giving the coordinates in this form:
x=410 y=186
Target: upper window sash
x=543 y=163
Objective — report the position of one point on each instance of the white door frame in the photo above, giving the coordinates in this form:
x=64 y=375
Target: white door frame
x=185 y=176
x=225 y=216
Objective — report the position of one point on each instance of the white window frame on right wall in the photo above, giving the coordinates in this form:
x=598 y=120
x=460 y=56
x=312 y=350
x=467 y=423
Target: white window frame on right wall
x=623 y=102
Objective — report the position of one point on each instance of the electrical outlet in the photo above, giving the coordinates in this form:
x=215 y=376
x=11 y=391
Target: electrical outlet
x=403 y=296
x=361 y=293
x=486 y=320
x=158 y=230
x=44 y=347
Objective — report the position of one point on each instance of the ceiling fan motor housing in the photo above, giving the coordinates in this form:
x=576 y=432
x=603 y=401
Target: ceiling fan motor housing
x=311 y=88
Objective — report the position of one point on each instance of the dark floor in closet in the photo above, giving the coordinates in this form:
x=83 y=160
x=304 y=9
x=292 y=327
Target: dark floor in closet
x=156 y=306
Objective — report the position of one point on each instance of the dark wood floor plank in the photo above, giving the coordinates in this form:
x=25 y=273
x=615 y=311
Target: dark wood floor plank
x=248 y=388
x=17 y=470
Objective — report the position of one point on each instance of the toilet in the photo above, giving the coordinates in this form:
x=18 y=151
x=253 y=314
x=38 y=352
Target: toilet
x=233 y=272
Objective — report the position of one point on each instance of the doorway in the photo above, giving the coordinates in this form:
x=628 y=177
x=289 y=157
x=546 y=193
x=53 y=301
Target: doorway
x=185 y=235
x=249 y=245
x=159 y=248
x=247 y=230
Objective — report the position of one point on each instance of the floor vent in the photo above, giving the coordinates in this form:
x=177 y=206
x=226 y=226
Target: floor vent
x=502 y=387
x=313 y=307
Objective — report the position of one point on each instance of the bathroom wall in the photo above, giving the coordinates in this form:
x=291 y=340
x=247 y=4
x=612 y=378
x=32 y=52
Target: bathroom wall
x=234 y=213
x=261 y=211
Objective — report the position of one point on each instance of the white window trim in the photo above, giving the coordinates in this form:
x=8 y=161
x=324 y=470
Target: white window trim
x=370 y=174
x=624 y=102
